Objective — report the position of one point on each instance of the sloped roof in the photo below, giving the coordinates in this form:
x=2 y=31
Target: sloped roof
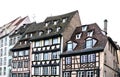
x=97 y=35
x=36 y=28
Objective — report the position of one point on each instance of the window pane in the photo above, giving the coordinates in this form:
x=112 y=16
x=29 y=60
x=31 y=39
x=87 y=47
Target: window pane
x=89 y=43
x=36 y=71
x=55 y=40
x=68 y=60
x=69 y=46
x=45 y=56
x=53 y=70
x=45 y=70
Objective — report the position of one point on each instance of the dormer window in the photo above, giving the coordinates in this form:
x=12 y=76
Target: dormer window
x=84 y=28
x=71 y=45
x=58 y=29
x=64 y=20
x=49 y=31
x=31 y=35
x=26 y=36
x=78 y=35
x=90 y=42
x=25 y=42
x=20 y=43
x=40 y=33
x=55 y=22
x=90 y=33
x=47 y=23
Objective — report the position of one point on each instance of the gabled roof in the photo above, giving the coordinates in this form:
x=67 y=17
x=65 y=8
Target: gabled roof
x=36 y=28
x=97 y=35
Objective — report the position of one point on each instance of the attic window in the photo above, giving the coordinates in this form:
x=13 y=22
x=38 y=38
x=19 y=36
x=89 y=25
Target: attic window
x=90 y=33
x=55 y=22
x=90 y=42
x=40 y=33
x=64 y=20
x=58 y=29
x=25 y=42
x=26 y=36
x=47 y=23
x=31 y=35
x=71 y=45
x=49 y=31
x=84 y=28
x=20 y=43
x=78 y=35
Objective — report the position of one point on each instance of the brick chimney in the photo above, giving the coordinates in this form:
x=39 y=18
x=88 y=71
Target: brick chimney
x=105 y=25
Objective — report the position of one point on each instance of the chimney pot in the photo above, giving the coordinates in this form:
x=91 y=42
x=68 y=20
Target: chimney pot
x=105 y=25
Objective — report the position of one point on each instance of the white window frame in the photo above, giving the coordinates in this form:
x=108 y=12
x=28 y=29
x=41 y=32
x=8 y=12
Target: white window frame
x=78 y=36
x=84 y=28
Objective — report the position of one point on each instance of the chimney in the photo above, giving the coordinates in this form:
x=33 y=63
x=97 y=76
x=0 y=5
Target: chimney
x=105 y=25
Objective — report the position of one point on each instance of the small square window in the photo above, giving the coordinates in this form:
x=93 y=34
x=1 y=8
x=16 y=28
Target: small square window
x=64 y=20
x=78 y=35
x=49 y=31
x=58 y=29
x=40 y=33
x=46 y=24
x=55 y=22
x=84 y=28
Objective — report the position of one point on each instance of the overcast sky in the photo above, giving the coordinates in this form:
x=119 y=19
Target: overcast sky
x=90 y=11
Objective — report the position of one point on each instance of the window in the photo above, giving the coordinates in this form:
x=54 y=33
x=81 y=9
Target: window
x=64 y=20
x=31 y=35
x=90 y=42
x=5 y=50
x=90 y=74
x=14 y=41
x=20 y=75
x=88 y=58
x=14 y=75
x=55 y=40
x=83 y=58
x=26 y=52
x=53 y=70
x=69 y=46
x=1 y=51
x=54 y=55
x=26 y=36
x=58 y=29
x=21 y=53
x=4 y=71
x=45 y=71
x=47 y=42
x=78 y=35
x=26 y=64
x=15 y=64
x=85 y=74
x=91 y=58
x=36 y=71
x=5 y=41
x=0 y=61
x=26 y=74
x=45 y=56
x=15 y=54
x=68 y=60
x=67 y=74
x=4 y=60
x=84 y=28
x=90 y=33
x=40 y=33
x=47 y=23
x=49 y=31
x=20 y=64
x=81 y=74
x=37 y=43
x=0 y=70
x=55 y=22
x=36 y=57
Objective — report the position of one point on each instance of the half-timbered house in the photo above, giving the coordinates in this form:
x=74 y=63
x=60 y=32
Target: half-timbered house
x=89 y=53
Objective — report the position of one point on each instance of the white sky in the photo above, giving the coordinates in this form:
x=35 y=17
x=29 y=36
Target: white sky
x=90 y=11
